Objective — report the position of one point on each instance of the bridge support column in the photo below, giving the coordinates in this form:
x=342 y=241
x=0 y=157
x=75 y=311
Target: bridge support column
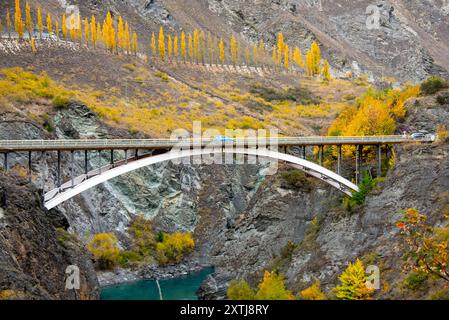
x=5 y=161
x=321 y=155
x=360 y=163
x=357 y=164
x=137 y=154
x=29 y=166
x=59 y=169
x=339 y=161
x=112 y=158
x=379 y=161
x=72 y=165
x=99 y=161
x=86 y=161
x=304 y=152
x=126 y=156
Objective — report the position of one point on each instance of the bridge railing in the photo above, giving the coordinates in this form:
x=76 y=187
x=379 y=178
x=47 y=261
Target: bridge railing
x=11 y=145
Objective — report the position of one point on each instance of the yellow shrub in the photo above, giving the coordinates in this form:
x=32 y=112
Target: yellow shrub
x=104 y=247
x=240 y=290
x=313 y=292
x=272 y=287
x=353 y=283
x=174 y=247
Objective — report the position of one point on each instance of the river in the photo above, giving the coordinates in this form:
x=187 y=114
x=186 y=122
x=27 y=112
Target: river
x=180 y=288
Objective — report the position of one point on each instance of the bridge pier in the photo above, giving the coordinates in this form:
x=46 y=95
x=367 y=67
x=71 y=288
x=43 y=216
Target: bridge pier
x=379 y=160
x=304 y=152
x=5 y=161
x=59 y=169
x=72 y=165
x=126 y=156
x=357 y=164
x=339 y=160
x=321 y=155
x=112 y=158
x=29 y=166
x=86 y=161
x=99 y=161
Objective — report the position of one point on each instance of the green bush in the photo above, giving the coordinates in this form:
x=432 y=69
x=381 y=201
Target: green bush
x=432 y=85
x=440 y=295
x=127 y=259
x=60 y=102
x=142 y=235
x=240 y=290
x=415 y=280
x=296 y=179
x=162 y=75
x=300 y=95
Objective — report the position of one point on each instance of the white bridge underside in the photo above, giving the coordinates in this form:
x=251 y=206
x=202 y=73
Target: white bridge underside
x=84 y=182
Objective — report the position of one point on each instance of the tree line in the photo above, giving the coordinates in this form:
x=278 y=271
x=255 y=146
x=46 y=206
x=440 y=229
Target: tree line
x=197 y=46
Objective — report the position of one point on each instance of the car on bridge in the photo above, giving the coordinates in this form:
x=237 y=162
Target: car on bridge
x=418 y=135
x=223 y=139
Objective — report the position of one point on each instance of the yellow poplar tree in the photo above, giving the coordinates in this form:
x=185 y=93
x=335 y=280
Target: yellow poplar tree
x=315 y=59
x=196 y=45
x=86 y=30
x=93 y=31
x=191 y=53
x=233 y=50
x=247 y=55
x=49 y=24
x=222 y=52
x=99 y=33
x=127 y=38
x=18 y=22
x=326 y=73
x=176 y=47
x=183 y=47
x=64 y=26
x=280 y=45
x=121 y=33
x=80 y=29
x=286 y=56
x=153 y=45
x=255 y=55
x=40 y=25
x=29 y=20
x=161 y=43
x=8 y=23
x=57 y=29
x=72 y=28
x=1 y=26
x=33 y=45
x=297 y=58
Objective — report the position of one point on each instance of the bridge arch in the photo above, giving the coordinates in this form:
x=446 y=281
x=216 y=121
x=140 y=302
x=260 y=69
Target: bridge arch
x=70 y=189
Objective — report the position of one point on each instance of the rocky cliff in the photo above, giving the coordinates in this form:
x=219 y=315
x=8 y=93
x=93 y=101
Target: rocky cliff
x=36 y=249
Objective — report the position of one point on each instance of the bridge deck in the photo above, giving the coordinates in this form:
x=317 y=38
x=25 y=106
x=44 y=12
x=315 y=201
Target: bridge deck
x=104 y=144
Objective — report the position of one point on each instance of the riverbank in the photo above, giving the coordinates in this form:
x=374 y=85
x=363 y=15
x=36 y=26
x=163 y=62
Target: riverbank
x=148 y=272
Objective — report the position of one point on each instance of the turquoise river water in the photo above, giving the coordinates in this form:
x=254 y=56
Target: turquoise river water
x=180 y=288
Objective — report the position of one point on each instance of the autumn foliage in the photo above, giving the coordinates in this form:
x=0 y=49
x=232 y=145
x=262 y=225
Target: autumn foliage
x=353 y=283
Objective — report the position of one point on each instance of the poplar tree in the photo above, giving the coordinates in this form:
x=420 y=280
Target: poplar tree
x=222 y=52
x=29 y=20
x=309 y=63
x=161 y=43
x=315 y=59
x=93 y=31
x=297 y=58
x=8 y=23
x=57 y=29
x=153 y=44
x=280 y=45
x=33 y=45
x=86 y=30
x=99 y=34
x=176 y=47
x=49 y=24
x=196 y=45
x=261 y=52
x=40 y=25
x=121 y=33
x=72 y=28
x=183 y=47
x=18 y=22
x=80 y=29
x=191 y=53
x=286 y=56
x=64 y=26
x=326 y=74
x=1 y=26
x=127 y=38
x=255 y=55
x=233 y=50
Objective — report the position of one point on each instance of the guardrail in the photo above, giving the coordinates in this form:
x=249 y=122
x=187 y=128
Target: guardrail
x=102 y=144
